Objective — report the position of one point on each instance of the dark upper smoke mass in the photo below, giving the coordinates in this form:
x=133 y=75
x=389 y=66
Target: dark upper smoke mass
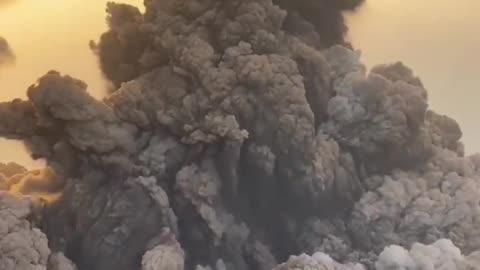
x=243 y=134
x=130 y=47
x=324 y=16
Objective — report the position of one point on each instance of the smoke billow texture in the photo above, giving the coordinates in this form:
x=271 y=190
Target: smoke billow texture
x=243 y=133
x=133 y=46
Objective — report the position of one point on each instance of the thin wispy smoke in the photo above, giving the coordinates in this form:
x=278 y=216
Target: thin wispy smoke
x=6 y=53
x=242 y=133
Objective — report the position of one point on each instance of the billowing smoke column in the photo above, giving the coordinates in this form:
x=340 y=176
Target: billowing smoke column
x=240 y=136
x=6 y=53
x=137 y=43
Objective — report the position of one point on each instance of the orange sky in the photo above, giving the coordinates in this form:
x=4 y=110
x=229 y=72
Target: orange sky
x=438 y=38
x=52 y=34
x=45 y=35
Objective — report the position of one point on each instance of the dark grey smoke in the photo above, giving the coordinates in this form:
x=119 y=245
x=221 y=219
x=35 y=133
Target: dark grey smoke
x=324 y=15
x=6 y=54
x=240 y=137
x=120 y=49
x=127 y=49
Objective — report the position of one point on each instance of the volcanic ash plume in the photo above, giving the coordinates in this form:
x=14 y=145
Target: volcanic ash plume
x=6 y=53
x=23 y=247
x=240 y=137
x=138 y=43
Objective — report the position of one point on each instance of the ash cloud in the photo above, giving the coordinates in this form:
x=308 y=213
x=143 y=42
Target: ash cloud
x=130 y=48
x=22 y=246
x=236 y=139
x=441 y=254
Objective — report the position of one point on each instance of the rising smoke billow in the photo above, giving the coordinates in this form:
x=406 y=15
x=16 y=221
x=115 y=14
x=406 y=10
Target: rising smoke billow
x=244 y=134
x=130 y=47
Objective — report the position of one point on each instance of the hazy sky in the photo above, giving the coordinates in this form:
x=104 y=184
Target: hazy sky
x=437 y=38
x=45 y=35
x=440 y=40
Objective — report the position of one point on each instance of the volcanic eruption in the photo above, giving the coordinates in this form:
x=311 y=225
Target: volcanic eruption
x=241 y=135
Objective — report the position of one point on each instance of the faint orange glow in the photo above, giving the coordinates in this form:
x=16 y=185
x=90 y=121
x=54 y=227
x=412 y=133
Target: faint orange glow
x=39 y=184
